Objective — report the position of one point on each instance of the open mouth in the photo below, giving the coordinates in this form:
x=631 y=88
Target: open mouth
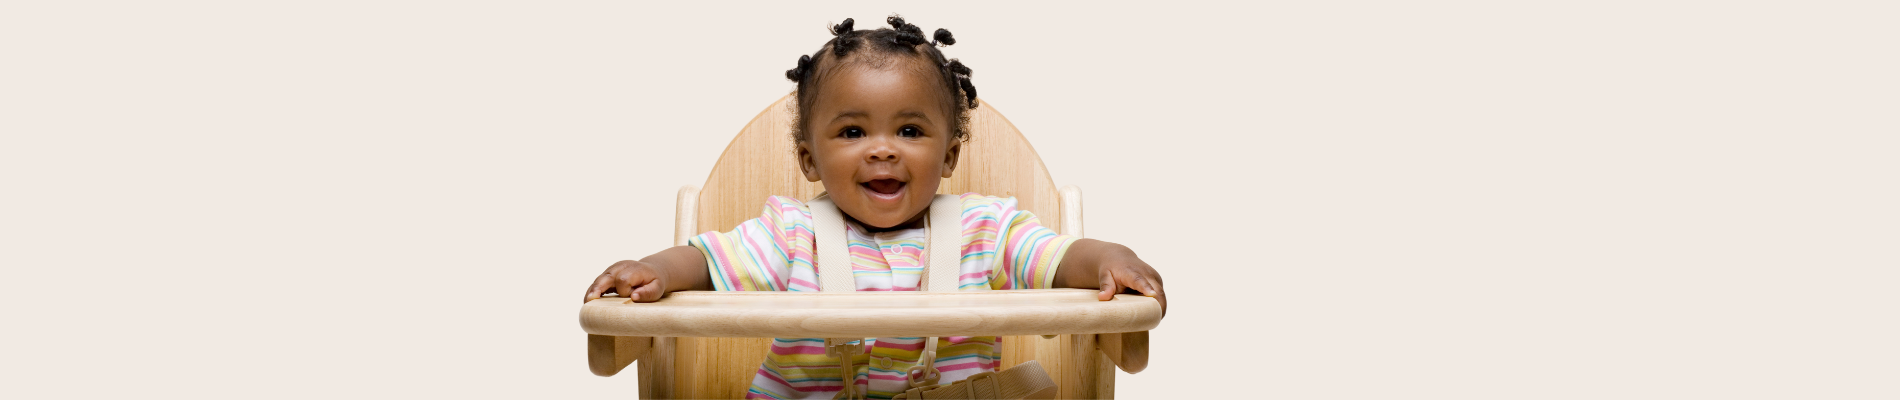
x=885 y=188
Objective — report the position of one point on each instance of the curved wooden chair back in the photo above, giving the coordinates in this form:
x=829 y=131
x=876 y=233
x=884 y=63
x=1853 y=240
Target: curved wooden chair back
x=759 y=163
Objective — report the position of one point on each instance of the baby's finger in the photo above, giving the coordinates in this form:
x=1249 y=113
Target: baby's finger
x=650 y=292
x=597 y=289
x=1160 y=295
x=625 y=289
x=1109 y=287
x=1138 y=283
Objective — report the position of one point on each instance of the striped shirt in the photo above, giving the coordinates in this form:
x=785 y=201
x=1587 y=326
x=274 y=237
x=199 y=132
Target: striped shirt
x=1002 y=247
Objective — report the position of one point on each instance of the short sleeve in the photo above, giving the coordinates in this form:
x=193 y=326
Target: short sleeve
x=761 y=253
x=1019 y=252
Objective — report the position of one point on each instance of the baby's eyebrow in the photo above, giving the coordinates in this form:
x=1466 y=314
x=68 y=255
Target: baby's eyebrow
x=914 y=114
x=850 y=114
x=861 y=114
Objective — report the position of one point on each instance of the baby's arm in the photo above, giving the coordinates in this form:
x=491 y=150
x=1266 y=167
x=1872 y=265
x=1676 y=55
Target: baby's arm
x=1109 y=267
x=670 y=270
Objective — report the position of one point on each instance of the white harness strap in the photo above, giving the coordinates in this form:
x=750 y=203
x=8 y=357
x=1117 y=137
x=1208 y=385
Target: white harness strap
x=831 y=246
x=944 y=256
x=834 y=256
x=946 y=236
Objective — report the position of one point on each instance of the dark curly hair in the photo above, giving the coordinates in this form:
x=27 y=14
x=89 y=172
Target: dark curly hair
x=901 y=39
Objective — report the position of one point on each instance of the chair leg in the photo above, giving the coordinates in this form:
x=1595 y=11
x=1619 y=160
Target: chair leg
x=1128 y=350
x=607 y=355
x=656 y=370
x=1077 y=367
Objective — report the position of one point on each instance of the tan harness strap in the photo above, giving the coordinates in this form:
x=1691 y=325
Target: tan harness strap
x=945 y=256
x=946 y=244
x=1023 y=381
x=832 y=247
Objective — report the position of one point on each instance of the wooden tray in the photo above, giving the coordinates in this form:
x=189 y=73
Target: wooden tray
x=871 y=314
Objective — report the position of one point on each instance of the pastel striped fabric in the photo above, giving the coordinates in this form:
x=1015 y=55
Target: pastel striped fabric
x=1003 y=248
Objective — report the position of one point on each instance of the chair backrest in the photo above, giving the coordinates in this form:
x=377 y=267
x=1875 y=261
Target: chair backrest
x=759 y=163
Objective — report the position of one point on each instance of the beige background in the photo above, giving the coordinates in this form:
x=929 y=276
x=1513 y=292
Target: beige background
x=1357 y=200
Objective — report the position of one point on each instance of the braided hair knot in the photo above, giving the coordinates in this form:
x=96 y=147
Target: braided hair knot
x=902 y=38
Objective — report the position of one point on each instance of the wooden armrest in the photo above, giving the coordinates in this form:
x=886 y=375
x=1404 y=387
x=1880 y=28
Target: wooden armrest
x=607 y=355
x=1128 y=350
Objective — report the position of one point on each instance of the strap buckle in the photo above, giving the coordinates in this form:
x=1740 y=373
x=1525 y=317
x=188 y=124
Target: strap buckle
x=847 y=351
x=996 y=388
x=925 y=372
x=841 y=347
x=969 y=388
x=916 y=393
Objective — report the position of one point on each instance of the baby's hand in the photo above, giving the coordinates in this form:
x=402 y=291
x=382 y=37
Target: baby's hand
x=1123 y=270
x=639 y=281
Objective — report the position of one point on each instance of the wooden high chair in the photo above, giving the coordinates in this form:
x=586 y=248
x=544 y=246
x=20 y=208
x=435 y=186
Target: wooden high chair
x=709 y=344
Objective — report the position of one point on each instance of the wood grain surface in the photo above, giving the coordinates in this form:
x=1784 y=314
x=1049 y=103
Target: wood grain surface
x=607 y=355
x=758 y=163
x=657 y=369
x=871 y=314
x=1128 y=350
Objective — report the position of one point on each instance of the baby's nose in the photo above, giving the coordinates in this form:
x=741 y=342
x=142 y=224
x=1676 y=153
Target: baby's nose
x=882 y=151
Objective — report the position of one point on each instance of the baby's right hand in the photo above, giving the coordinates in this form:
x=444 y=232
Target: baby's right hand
x=640 y=281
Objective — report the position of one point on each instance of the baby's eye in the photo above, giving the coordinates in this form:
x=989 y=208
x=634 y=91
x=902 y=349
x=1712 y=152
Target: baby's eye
x=852 y=132
x=910 y=131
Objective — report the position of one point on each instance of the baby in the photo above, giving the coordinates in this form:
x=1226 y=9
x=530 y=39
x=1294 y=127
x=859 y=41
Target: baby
x=881 y=116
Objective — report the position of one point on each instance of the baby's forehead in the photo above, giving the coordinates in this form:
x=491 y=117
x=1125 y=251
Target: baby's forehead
x=865 y=61
x=855 y=72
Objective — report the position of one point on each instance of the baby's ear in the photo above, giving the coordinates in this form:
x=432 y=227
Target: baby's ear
x=807 y=163
x=950 y=156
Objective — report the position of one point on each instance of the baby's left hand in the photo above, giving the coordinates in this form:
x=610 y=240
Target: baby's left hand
x=1112 y=268
x=1123 y=270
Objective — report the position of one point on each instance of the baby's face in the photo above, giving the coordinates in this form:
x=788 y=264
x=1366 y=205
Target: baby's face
x=880 y=142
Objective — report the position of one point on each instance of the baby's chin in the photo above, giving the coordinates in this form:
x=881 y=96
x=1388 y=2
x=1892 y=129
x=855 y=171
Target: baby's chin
x=880 y=222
